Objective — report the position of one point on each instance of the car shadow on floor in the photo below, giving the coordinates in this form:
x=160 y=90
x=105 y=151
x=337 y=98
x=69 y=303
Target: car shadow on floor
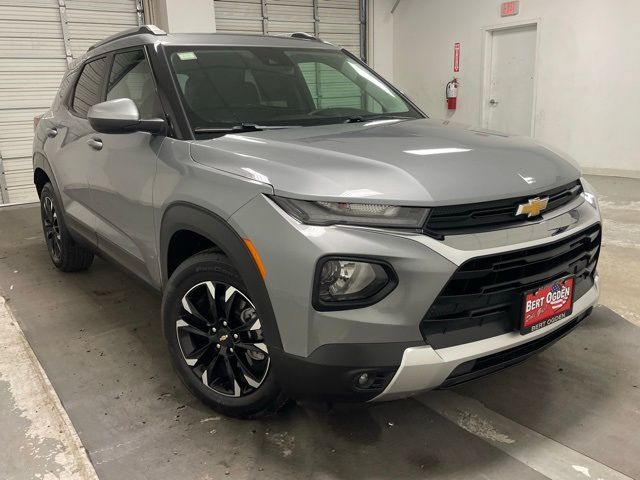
x=97 y=335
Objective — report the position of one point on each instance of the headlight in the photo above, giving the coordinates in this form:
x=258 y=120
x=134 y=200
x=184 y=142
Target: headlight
x=344 y=283
x=363 y=214
x=589 y=194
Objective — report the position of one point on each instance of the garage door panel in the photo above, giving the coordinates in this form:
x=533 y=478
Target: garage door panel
x=33 y=60
x=92 y=17
x=277 y=28
x=8 y=118
x=28 y=81
x=339 y=15
x=34 y=48
x=47 y=12
x=353 y=31
x=227 y=10
x=16 y=147
x=24 y=29
x=253 y=27
x=126 y=6
x=19 y=164
x=338 y=20
x=26 y=98
x=290 y=13
x=339 y=4
x=306 y=3
x=40 y=65
x=20 y=178
x=23 y=194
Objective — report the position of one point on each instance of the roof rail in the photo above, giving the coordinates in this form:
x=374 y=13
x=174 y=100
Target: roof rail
x=302 y=35
x=150 y=29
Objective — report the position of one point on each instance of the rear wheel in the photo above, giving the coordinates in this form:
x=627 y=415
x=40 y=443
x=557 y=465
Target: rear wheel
x=65 y=253
x=215 y=338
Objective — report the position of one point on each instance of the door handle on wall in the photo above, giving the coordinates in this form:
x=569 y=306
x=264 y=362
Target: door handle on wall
x=95 y=143
x=52 y=132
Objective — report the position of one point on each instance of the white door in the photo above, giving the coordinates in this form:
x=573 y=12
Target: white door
x=508 y=105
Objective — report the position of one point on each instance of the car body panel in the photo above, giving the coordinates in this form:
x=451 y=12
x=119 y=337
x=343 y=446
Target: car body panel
x=422 y=263
x=121 y=178
x=413 y=162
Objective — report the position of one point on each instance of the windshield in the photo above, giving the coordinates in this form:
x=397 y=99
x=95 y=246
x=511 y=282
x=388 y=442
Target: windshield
x=225 y=87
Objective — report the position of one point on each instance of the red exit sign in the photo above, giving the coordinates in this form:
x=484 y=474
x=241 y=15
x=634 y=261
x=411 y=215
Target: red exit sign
x=508 y=9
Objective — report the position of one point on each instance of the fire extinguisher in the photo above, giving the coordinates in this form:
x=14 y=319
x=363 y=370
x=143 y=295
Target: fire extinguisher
x=452 y=94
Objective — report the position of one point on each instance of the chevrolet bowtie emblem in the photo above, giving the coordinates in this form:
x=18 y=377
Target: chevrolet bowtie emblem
x=223 y=338
x=533 y=207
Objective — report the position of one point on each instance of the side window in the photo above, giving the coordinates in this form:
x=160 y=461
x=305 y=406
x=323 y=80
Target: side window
x=131 y=77
x=87 y=92
x=331 y=88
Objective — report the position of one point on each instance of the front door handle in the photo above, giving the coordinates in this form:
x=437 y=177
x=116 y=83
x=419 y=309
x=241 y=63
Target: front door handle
x=493 y=102
x=95 y=143
x=52 y=132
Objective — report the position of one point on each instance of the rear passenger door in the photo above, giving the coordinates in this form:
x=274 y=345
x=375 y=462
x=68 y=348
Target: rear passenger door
x=123 y=169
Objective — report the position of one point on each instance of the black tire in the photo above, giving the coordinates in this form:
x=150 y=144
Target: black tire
x=200 y=331
x=65 y=253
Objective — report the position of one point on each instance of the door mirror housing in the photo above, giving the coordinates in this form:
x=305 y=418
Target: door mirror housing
x=121 y=116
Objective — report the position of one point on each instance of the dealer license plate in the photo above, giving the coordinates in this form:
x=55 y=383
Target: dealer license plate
x=547 y=305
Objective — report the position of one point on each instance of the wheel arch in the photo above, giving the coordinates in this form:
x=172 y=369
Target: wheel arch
x=183 y=216
x=43 y=173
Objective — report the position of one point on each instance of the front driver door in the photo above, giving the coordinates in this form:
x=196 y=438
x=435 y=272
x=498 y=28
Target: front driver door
x=123 y=171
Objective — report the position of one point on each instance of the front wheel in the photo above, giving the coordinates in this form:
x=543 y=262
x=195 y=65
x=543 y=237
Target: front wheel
x=215 y=338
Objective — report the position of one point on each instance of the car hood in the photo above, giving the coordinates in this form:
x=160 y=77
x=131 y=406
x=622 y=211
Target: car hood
x=421 y=162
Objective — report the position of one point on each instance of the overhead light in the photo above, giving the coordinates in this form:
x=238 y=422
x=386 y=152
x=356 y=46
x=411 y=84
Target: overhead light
x=437 y=151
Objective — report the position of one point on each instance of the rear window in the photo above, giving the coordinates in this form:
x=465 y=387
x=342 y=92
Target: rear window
x=88 y=89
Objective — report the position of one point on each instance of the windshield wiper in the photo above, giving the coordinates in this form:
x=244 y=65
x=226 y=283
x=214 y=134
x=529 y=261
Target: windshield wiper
x=368 y=118
x=243 y=127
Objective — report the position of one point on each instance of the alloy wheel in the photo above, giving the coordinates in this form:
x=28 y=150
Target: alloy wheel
x=52 y=233
x=220 y=338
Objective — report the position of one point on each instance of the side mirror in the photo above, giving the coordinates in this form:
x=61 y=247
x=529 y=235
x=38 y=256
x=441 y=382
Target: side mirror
x=121 y=116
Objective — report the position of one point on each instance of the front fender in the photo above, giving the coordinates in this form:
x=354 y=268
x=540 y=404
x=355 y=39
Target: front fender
x=186 y=216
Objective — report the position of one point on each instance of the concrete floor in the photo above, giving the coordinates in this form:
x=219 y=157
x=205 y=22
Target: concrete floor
x=572 y=412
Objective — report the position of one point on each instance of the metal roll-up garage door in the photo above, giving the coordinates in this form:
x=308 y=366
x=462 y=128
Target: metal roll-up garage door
x=37 y=40
x=336 y=21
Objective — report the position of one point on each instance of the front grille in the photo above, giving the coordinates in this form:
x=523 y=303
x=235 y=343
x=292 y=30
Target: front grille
x=483 y=298
x=477 y=217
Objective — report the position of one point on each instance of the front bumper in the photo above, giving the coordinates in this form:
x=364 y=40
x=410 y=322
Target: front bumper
x=423 y=368
x=322 y=352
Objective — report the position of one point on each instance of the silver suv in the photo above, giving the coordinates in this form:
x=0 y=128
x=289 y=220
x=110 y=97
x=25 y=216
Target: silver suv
x=313 y=234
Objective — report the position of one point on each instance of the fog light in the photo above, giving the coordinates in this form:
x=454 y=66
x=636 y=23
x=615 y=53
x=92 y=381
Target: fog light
x=351 y=283
x=339 y=278
x=363 y=380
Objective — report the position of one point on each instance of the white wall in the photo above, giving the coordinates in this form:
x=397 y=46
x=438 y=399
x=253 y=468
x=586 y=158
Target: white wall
x=182 y=16
x=380 y=28
x=588 y=100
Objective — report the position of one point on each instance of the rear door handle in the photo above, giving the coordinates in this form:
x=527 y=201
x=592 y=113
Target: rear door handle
x=95 y=143
x=52 y=132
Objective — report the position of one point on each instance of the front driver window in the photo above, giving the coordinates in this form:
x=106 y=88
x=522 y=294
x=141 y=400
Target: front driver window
x=131 y=78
